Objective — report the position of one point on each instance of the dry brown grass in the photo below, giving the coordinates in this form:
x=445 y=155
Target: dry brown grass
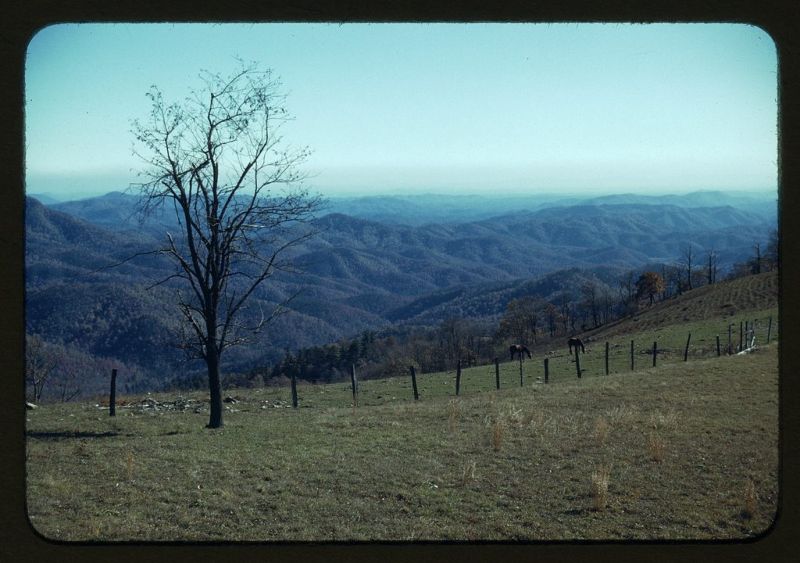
x=750 y=499
x=664 y=420
x=453 y=413
x=498 y=433
x=600 y=481
x=656 y=447
x=601 y=428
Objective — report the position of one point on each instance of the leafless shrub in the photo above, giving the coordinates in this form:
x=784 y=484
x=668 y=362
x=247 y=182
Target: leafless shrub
x=656 y=448
x=600 y=481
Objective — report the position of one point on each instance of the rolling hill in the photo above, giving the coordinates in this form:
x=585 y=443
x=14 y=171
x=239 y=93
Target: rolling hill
x=717 y=301
x=359 y=274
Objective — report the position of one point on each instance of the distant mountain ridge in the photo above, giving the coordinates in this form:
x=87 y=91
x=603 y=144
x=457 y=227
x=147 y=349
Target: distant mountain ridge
x=529 y=244
x=354 y=256
x=421 y=209
x=359 y=273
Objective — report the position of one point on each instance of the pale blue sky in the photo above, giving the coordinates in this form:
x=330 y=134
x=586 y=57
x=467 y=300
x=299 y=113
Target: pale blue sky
x=442 y=108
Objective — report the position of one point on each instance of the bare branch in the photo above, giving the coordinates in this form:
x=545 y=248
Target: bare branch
x=215 y=159
x=120 y=263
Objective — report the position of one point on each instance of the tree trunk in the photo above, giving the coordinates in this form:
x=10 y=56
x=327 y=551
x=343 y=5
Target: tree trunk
x=214 y=387
x=112 y=399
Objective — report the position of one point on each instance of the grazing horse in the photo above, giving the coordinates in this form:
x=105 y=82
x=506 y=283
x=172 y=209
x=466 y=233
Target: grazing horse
x=519 y=349
x=576 y=342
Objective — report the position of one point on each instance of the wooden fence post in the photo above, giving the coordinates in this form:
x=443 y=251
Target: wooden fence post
x=606 y=358
x=414 y=383
x=686 y=351
x=546 y=370
x=719 y=352
x=112 y=400
x=578 y=361
x=741 y=336
x=354 y=383
x=730 y=341
x=655 y=353
x=631 y=355
x=458 y=377
x=497 y=373
x=769 y=329
x=294 y=390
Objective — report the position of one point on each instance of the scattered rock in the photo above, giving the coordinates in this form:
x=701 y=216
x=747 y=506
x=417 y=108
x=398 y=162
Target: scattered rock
x=29 y=406
x=180 y=404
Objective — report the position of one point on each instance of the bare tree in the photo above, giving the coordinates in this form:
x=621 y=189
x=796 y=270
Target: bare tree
x=711 y=271
x=552 y=315
x=567 y=311
x=521 y=319
x=219 y=162
x=687 y=262
x=674 y=283
x=608 y=305
x=756 y=267
x=628 y=301
x=771 y=254
x=69 y=386
x=453 y=339
x=589 y=292
x=627 y=283
x=39 y=365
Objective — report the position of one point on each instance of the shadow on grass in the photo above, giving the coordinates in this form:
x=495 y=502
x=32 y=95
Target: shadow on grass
x=70 y=435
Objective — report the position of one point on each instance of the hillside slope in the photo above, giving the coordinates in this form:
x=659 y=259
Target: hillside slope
x=717 y=301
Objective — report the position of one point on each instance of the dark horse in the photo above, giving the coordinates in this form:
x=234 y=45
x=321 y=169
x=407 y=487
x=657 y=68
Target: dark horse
x=576 y=342
x=519 y=349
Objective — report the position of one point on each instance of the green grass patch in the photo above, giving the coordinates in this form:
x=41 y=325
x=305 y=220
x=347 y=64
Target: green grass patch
x=524 y=463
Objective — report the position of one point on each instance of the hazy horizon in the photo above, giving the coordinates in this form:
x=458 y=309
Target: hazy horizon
x=422 y=193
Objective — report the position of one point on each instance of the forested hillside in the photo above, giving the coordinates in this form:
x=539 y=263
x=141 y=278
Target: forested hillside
x=92 y=279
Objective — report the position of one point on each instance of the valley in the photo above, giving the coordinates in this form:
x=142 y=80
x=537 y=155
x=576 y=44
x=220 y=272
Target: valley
x=92 y=280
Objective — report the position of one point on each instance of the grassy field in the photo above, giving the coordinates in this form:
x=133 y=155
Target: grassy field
x=682 y=451
x=685 y=450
